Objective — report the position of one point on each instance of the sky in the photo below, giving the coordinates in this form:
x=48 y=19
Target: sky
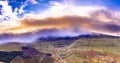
x=28 y=20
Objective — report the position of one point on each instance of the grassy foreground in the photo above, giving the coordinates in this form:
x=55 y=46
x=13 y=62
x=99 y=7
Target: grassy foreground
x=90 y=50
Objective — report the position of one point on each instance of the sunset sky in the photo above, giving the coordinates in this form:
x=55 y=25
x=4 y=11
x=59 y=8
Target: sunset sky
x=27 y=20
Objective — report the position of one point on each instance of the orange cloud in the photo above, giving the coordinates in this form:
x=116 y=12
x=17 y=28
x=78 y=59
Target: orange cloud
x=94 y=23
x=65 y=22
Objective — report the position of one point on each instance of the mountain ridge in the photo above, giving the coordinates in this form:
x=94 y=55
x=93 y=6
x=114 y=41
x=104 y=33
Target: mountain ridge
x=52 y=38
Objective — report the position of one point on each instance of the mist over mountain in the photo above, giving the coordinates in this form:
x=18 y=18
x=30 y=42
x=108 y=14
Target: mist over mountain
x=54 y=38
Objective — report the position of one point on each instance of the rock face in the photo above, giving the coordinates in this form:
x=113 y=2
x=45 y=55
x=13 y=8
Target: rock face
x=30 y=51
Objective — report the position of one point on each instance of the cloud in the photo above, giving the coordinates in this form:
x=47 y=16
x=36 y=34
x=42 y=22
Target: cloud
x=33 y=1
x=75 y=21
x=64 y=17
x=62 y=20
x=112 y=27
x=33 y=36
x=66 y=22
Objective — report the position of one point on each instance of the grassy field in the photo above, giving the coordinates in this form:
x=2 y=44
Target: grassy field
x=95 y=50
x=87 y=50
x=97 y=44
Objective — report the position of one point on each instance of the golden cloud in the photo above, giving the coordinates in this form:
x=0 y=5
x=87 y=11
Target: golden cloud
x=65 y=22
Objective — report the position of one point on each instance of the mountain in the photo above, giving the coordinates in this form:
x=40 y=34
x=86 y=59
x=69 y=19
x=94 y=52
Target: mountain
x=94 y=35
